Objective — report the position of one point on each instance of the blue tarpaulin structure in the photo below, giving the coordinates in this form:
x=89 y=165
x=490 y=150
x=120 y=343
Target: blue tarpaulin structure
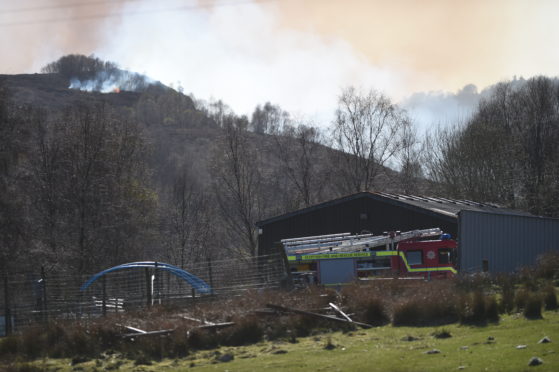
x=197 y=283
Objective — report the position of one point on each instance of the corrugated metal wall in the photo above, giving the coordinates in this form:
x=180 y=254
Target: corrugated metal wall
x=506 y=241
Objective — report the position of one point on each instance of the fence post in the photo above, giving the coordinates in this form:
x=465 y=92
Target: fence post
x=210 y=275
x=148 y=288
x=44 y=294
x=156 y=291
x=7 y=312
x=104 y=296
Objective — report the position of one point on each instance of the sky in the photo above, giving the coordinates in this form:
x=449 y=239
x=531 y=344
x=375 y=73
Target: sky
x=433 y=57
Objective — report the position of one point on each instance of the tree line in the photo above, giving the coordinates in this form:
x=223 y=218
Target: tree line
x=92 y=186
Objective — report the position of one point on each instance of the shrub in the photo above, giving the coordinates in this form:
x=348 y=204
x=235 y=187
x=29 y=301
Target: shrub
x=550 y=298
x=9 y=345
x=33 y=342
x=533 y=307
x=547 y=266
x=247 y=331
x=521 y=299
x=374 y=312
x=407 y=313
x=442 y=333
x=506 y=305
x=199 y=339
x=491 y=309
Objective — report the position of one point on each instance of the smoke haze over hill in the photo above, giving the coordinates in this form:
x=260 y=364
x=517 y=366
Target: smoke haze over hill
x=298 y=55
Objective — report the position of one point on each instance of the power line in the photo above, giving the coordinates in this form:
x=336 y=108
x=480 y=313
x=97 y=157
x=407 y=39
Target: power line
x=181 y=8
x=68 y=5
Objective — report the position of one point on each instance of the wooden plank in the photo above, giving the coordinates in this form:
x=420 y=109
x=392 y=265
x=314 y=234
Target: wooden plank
x=340 y=311
x=321 y=316
x=205 y=322
x=216 y=325
x=151 y=333
x=135 y=329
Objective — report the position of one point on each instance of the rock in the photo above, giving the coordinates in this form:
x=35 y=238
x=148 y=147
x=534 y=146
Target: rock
x=434 y=351
x=281 y=351
x=464 y=347
x=490 y=338
x=226 y=358
x=544 y=340
x=535 y=361
x=461 y=367
x=520 y=347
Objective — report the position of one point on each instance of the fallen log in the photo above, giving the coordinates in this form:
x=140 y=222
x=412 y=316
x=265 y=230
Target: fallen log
x=321 y=316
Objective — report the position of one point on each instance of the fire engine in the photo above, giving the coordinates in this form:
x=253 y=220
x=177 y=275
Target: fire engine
x=336 y=259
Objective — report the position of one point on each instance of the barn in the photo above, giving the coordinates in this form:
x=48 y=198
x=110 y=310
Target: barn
x=502 y=239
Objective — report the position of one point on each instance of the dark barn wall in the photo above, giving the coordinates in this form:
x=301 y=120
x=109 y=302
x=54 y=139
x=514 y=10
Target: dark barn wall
x=354 y=216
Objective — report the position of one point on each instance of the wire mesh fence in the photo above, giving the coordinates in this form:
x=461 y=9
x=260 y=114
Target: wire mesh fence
x=28 y=298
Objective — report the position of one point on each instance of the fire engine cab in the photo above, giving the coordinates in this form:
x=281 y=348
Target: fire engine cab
x=341 y=258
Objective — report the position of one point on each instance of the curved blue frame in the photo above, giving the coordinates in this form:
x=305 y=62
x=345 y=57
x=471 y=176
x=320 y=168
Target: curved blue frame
x=197 y=283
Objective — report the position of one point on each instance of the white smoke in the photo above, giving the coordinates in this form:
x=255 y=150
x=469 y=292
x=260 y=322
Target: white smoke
x=113 y=81
x=441 y=108
x=433 y=109
x=241 y=55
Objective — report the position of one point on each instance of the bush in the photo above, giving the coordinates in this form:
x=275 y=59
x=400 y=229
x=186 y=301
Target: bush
x=550 y=298
x=9 y=345
x=547 y=266
x=491 y=309
x=533 y=307
x=423 y=311
x=472 y=308
x=199 y=340
x=247 y=331
x=506 y=305
x=407 y=313
x=521 y=299
x=374 y=312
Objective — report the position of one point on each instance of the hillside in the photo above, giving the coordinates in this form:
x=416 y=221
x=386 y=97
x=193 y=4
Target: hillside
x=178 y=132
x=148 y=173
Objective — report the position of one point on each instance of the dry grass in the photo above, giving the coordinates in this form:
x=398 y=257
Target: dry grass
x=403 y=302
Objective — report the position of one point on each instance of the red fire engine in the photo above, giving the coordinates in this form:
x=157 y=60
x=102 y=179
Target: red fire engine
x=341 y=258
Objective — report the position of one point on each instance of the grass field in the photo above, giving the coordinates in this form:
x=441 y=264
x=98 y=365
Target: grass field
x=388 y=348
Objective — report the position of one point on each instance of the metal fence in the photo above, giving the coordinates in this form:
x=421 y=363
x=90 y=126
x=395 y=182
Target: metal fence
x=27 y=298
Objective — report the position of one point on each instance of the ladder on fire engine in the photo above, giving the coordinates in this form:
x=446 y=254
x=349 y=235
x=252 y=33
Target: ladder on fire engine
x=345 y=242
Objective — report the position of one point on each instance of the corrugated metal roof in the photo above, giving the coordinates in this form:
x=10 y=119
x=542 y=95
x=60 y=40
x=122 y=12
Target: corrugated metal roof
x=448 y=208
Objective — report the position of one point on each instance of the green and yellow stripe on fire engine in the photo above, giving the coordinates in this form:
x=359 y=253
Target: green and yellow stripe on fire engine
x=326 y=256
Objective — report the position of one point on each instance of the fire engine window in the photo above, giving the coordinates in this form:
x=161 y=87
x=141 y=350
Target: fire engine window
x=414 y=257
x=444 y=255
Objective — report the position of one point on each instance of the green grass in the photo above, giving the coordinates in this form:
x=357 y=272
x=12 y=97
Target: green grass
x=378 y=349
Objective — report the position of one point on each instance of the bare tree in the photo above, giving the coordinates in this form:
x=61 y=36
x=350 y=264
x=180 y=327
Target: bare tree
x=367 y=133
x=268 y=119
x=13 y=226
x=506 y=153
x=237 y=183
x=188 y=221
x=299 y=152
x=91 y=199
x=411 y=169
